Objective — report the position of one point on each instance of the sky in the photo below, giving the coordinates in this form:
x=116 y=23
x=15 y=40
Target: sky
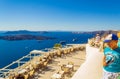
x=59 y=15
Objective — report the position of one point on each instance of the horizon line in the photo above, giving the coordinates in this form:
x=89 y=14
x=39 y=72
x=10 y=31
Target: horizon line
x=59 y=30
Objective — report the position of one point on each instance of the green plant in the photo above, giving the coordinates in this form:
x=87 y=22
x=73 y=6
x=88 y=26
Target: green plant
x=57 y=45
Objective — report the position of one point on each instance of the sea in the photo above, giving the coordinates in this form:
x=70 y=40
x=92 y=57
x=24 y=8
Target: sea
x=13 y=50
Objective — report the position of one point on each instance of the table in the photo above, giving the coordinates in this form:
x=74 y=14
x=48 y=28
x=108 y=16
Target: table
x=56 y=76
x=69 y=66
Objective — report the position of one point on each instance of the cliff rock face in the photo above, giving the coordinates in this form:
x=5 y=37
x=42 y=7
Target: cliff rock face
x=102 y=33
x=24 y=37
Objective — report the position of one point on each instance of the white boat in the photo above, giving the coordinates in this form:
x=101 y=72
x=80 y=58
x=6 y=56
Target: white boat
x=75 y=39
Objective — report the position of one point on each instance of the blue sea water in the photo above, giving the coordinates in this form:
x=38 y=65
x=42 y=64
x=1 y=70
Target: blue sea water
x=13 y=50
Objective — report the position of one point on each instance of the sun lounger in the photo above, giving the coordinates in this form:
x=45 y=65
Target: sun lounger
x=22 y=71
x=58 y=53
x=26 y=76
x=44 y=65
x=31 y=73
x=20 y=76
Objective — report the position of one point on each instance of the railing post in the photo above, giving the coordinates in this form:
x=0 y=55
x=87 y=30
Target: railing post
x=18 y=63
x=30 y=57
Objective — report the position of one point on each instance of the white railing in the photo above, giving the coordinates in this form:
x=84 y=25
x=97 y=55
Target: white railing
x=5 y=71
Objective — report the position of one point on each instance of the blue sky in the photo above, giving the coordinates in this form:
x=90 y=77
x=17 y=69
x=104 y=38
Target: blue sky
x=65 y=15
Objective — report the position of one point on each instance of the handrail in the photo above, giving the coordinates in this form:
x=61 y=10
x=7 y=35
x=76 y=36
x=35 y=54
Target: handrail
x=6 y=70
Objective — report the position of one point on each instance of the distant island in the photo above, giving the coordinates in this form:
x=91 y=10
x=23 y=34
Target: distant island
x=32 y=35
x=24 y=37
x=24 y=32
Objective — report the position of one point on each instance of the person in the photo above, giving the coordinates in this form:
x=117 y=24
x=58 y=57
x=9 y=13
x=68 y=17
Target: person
x=118 y=34
x=97 y=40
x=111 y=60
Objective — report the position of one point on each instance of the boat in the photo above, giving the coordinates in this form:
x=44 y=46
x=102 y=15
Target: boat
x=39 y=41
x=75 y=39
x=63 y=42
